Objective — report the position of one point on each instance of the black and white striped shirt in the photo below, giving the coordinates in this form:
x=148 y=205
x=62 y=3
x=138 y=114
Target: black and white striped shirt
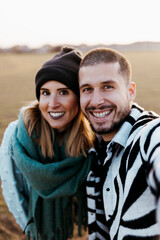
x=97 y=179
x=122 y=190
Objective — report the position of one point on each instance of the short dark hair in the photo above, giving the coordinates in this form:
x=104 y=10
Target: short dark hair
x=106 y=55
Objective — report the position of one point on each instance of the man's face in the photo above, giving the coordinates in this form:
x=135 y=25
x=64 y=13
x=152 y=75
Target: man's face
x=105 y=97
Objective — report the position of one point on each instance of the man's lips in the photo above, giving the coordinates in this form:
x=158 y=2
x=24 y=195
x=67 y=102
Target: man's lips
x=101 y=114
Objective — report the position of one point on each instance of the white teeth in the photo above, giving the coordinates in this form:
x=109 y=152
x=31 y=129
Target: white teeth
x=57 y=114
x=100 y=115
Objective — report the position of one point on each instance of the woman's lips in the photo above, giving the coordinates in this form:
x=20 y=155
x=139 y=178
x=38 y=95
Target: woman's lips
x=56 y=115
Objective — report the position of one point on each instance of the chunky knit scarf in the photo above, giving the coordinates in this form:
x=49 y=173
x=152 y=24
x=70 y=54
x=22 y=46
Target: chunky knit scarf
x=55 y=185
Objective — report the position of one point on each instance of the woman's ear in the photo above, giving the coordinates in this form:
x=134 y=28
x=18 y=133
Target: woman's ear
x=132 y=90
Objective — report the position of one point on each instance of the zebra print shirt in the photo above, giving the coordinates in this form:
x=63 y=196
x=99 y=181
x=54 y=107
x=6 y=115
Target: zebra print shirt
x=122 y=191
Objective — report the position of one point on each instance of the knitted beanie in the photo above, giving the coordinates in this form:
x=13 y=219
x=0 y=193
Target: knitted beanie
x=63 y=67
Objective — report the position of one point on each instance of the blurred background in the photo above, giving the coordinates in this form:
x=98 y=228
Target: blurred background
x=40 y=22
x=34 y=30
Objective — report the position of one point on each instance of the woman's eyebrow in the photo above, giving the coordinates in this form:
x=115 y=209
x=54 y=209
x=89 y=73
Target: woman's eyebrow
x=43 y=88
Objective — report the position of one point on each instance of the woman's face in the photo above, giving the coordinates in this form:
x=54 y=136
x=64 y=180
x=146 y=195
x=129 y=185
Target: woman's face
x=58 y=104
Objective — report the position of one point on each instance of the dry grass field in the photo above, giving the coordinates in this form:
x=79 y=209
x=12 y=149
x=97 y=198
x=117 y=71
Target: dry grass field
x=17 y=72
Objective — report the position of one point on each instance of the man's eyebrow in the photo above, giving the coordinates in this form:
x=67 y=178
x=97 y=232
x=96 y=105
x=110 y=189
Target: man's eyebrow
x=84 y=85
x=102 y=83
x=108 y=81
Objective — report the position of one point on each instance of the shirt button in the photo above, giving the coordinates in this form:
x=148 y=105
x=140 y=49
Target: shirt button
x=107 y=189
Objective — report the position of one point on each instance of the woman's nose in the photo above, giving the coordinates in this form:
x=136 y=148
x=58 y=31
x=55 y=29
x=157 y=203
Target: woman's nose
x=53 y=101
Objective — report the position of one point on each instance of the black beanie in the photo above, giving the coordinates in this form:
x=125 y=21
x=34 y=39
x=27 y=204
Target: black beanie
x=63 y=67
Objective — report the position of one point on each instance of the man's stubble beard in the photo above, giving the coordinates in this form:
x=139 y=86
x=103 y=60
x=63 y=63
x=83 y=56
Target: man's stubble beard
x=115 y=125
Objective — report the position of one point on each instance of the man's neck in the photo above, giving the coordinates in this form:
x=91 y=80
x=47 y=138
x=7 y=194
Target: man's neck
x=109 y=136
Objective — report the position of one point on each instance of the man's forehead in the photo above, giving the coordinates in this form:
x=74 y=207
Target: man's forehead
x=99 y=67
x=99 y=74
x=105 y=64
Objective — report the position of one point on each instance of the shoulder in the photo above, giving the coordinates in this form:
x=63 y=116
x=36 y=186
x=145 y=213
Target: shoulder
x=150 y=128
x=143 y=121
x=9 y=130
x=8 y=134
x=9 y=178
x=5 y=145
x=150 y=138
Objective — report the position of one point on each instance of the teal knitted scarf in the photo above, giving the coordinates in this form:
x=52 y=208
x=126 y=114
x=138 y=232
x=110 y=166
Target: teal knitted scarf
x=54 y=187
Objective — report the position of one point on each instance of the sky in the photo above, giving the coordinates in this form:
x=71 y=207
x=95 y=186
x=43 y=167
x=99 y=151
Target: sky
x=39 y=22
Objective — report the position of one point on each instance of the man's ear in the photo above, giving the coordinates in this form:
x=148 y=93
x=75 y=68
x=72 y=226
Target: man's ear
x=132 y=90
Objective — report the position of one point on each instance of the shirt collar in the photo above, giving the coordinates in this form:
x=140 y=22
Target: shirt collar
x=122 y=135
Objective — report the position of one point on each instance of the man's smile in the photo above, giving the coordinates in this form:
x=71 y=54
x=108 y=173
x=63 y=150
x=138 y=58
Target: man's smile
x=101 y=114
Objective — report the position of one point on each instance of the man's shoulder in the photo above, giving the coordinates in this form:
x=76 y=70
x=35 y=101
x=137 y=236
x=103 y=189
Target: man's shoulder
x=152 y=125
x=140 y=120
x=150 y=132
x=141 y=116
x=149 y=139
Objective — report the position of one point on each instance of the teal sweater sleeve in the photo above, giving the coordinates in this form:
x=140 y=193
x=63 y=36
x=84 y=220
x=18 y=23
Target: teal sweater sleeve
x=15 y=189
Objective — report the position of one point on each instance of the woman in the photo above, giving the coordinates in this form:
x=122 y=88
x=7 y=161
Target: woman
x=47 y=152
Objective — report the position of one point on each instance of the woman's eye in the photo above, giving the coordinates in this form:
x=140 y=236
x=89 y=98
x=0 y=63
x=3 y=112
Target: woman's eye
x=45 y=93
x=64 y=92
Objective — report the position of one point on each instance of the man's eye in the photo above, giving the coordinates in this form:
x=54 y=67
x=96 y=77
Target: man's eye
x=108 y=87
x=85 y=90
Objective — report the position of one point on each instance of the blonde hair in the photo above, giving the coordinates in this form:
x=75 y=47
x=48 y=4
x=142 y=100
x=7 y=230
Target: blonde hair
x=78 y=136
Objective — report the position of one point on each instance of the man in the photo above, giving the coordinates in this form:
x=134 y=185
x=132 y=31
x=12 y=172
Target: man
x=122 y=186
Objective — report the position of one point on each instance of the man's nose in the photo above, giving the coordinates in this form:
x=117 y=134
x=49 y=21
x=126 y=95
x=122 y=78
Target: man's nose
x=97 y=98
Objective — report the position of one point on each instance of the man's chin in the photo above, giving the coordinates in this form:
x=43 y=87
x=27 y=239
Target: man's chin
x=101 y=130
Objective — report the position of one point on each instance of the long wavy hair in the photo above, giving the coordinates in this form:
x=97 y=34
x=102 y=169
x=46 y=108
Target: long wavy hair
x=78 y=136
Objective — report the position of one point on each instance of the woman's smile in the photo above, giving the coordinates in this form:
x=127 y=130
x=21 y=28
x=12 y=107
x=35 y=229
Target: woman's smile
x=56 y=115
